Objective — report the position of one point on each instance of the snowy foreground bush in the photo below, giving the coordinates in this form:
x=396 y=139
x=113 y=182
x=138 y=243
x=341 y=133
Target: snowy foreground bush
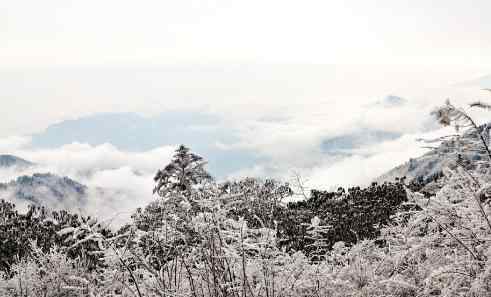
x=200 y=238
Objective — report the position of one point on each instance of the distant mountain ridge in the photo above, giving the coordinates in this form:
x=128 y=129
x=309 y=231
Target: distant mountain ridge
x=428 y=169
x=201 y=131
x=61 y=192
x=345 y=143
x=45 y=189
x=132 y=132
x=7 y=161
x=392 y=101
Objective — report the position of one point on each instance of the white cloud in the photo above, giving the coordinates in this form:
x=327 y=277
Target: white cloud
x=13 y=143
x=119 y=182
x=290 y=144
x=368 y=163
x=78 y=159
x=362 y=165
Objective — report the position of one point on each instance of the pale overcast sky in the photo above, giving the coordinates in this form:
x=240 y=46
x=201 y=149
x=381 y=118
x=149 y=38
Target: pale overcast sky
x=282 y=75
x=62 y=59
x=70 y=32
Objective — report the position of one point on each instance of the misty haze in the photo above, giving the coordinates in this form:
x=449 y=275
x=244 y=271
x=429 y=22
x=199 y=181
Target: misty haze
x=245 y=148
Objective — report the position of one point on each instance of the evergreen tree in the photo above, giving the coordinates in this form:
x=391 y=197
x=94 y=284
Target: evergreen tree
x=185 y=171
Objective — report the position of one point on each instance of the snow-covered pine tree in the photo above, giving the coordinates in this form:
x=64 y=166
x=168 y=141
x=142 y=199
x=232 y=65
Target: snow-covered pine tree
x=185 y=171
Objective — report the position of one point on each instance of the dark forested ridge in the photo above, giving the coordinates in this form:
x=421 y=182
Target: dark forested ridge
x=353 y=214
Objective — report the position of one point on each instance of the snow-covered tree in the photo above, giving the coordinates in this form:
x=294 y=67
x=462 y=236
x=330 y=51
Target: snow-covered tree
x=238 y=239
x=182 y=174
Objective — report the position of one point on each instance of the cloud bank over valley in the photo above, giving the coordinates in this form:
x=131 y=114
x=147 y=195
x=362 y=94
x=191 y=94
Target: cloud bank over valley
x=331 y=133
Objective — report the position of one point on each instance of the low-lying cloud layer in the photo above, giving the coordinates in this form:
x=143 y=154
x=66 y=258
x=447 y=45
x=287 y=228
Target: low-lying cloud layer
x=367 y=163
x=277 y=147
x=118 y=181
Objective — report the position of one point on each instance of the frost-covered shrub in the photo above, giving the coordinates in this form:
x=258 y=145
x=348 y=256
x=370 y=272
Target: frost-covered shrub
x=38 y=224
x=47 y=274
x=238 y=239
x=351 y=215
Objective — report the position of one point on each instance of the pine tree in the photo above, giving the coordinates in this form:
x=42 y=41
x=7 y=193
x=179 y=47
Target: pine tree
x=185 y=171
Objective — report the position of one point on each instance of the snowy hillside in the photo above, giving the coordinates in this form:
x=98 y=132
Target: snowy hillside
x=45 y=189
x=8 y=161
x=428 y=169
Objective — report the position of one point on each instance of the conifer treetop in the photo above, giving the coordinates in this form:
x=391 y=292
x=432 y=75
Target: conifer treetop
x=185 y=171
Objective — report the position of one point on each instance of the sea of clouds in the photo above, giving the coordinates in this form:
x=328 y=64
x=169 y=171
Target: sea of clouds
x=126 y=178
x=282 y=116
x=118 y=182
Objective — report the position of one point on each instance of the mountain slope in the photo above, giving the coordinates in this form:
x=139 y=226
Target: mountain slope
x=7 y=161
x=45 y=189
x=428 y=169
